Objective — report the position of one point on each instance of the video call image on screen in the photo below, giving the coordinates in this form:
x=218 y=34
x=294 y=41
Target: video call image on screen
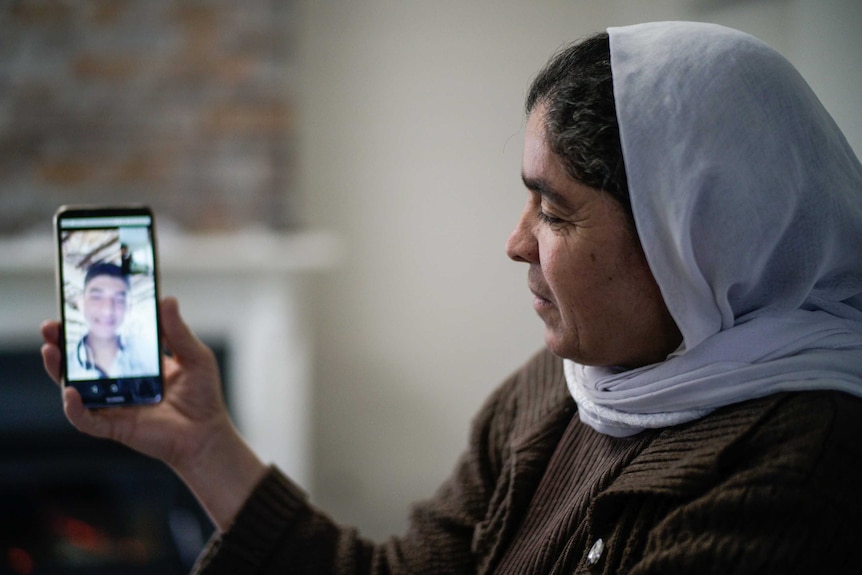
x=109 y=307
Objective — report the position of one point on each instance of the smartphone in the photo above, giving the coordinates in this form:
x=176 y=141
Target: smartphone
x=107 y=279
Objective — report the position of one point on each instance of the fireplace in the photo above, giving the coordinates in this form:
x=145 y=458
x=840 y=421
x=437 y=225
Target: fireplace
x=74 y=504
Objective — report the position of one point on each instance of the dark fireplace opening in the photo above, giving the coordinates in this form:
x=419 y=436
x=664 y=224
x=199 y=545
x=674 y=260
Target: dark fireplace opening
x=73 y=504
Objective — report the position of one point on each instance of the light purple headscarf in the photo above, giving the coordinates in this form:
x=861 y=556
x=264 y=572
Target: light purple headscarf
x=748 y=202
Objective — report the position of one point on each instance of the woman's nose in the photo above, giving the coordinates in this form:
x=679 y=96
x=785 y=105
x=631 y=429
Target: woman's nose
x=521 y=245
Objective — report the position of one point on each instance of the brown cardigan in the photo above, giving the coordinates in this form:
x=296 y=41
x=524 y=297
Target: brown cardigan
x=767 y=486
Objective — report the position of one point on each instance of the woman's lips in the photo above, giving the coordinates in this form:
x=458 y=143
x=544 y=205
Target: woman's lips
x=539 y=301
x=541 y=294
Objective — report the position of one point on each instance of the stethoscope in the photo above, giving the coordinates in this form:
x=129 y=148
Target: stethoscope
x=88 y=362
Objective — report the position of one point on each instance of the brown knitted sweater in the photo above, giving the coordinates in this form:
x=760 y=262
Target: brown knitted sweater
x=767 y=486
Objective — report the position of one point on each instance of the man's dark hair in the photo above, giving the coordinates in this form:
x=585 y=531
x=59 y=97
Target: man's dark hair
x=576 y=88
x=105 y=269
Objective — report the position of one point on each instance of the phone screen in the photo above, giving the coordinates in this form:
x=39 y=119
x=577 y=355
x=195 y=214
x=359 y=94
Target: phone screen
x=108 y=285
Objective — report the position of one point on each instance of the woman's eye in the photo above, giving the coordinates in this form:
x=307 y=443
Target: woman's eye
x=548 y=219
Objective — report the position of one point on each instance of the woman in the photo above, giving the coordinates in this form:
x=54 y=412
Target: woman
x=692 y=235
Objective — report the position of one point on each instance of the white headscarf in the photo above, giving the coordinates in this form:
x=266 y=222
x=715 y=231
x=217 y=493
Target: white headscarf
x=748 y=202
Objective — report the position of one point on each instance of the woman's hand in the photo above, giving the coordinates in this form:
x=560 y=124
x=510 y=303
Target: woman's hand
x=189 y=429
x=177 y=428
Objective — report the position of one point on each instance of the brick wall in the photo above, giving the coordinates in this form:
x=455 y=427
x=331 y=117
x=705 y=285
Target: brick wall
x=185 y=105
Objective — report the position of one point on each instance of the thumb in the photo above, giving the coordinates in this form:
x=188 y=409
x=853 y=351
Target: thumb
x=180 y=339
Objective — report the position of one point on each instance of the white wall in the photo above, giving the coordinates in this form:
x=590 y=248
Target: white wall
x=411 y=126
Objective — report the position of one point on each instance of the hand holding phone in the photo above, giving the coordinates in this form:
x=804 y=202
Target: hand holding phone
x=107 y=280
x=190 y=430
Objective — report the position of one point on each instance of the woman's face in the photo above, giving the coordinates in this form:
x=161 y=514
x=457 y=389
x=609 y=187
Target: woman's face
x=593 y=288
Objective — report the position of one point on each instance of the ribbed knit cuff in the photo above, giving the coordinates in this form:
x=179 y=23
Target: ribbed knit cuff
x=257 y=530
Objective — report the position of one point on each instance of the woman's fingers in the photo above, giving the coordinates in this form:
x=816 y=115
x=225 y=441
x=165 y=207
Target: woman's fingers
x=51 y=331
x=88 y=421
x=51 y=355
x=181 y=341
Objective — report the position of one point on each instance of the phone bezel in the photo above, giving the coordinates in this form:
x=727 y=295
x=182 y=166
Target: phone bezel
x=70 y=212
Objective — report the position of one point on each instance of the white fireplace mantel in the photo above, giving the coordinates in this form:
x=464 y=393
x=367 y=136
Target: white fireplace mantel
x=246 y=290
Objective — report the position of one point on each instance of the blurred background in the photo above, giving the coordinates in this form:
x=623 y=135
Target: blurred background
x=362 y=158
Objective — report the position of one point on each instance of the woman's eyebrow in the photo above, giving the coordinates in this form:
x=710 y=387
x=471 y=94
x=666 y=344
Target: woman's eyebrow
x=544 y=189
